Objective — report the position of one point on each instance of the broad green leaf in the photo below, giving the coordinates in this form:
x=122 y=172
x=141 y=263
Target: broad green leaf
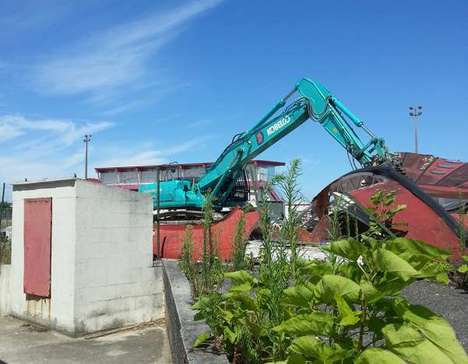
x=398 y=335
x=294 y=358
x=442 y=278
x=245 y=301
x=369 y=291
x=428 y=266
x=227 y=315
x=202 y=302
x=241 y=287
x=463 y=268
x=299 y=295
x=378 y=356
x=240 y=277
x=392 y=263
x=410 y=344
x=313 y=270
x=308 y=346
x=349 y=248
x=349 y=270
x=331 y=285
x=404 y=245
x=230 y=335
x=201 y=339
x=347 y=315
x=312 y=348
x=391 y=287
x=435 y=329
x=301 y=325
x=423 y=353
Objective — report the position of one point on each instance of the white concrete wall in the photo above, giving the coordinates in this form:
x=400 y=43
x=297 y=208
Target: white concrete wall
x=58 y=311
x=116 y=284
x=101 y=275
x=5 y=270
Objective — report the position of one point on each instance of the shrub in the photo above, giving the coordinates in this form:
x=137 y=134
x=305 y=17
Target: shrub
x=345 y=310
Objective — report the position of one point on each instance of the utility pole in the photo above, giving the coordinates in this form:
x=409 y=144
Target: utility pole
x=1 y=206
x=415 y=112
x=86 y=139
x=158 y=203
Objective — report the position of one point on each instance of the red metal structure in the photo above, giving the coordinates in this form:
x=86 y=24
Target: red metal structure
x=222 y=232
x=435 y=191
x=37 y=246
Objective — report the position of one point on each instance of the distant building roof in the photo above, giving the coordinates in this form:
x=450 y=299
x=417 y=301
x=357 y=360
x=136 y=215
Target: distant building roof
x=256 y=162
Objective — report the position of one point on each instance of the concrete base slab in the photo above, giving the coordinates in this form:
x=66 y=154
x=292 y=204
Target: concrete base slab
x=21 y=342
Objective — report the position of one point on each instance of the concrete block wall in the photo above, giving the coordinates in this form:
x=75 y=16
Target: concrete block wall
x=101 y=274
x=116 y=284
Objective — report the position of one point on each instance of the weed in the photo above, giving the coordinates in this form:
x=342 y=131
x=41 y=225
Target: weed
x=289 y=187
x=186 y=262
x=239 y=245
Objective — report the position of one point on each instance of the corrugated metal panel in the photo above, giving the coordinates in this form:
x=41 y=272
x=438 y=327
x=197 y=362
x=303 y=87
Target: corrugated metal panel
x=37 y=246
x=415 y=165
x=457 y=177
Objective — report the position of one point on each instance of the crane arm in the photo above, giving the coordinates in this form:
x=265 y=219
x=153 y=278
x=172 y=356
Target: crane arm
x=313 y=101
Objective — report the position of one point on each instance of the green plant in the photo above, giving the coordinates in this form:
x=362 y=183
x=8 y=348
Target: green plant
x=186 y=261
x=239 y=245
x=204 y=275
x=382 y=213
x=210 y=272
x=354 y=312
x=5 y=251
x=242 y=319
x=289 y=188
x=344 y=310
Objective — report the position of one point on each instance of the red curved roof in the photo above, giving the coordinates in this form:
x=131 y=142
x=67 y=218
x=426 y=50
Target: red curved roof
x=437 y=176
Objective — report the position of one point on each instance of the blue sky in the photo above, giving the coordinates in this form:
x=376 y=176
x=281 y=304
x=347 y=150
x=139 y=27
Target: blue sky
x=161 y=81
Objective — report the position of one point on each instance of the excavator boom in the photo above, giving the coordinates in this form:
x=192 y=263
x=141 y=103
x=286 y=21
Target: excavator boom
x=312 y=101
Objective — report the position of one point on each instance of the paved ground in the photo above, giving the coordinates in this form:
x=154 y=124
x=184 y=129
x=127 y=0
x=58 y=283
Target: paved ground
x=447 y=301
x=23 y=343
x=305 y=251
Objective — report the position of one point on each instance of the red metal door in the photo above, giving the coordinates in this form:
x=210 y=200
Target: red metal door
x=37 y=246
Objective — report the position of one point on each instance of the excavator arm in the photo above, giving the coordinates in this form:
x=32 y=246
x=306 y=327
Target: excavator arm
x=312 y=101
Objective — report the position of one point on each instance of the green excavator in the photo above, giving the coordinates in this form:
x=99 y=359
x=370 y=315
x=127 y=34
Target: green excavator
x=308 y=100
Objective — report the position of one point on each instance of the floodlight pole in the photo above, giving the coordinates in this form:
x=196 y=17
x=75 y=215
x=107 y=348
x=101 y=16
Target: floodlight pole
x=415 y=112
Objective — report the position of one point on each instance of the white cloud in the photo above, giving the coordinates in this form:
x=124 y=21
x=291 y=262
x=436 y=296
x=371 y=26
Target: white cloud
x=52 y=148
x=118 y=56
x=38 y=148
x=145 y=153
x=65 y=131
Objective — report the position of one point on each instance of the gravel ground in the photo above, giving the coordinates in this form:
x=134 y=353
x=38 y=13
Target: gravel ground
x=448 y=302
